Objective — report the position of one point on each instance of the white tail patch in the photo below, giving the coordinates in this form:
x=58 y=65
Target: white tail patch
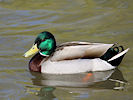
x=118 y=55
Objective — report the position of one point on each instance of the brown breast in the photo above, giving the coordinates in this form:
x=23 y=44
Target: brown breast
x=34 y=64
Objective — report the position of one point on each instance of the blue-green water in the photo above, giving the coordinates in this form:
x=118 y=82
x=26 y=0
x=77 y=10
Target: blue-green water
x=108 y=21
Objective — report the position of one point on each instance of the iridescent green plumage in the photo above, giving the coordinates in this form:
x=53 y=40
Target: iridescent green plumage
x=46 y=43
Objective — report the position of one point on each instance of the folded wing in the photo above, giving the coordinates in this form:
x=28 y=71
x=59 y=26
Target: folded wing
x=76 y=50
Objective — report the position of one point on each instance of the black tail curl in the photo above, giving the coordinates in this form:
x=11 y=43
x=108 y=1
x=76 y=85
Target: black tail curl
x=112 y=52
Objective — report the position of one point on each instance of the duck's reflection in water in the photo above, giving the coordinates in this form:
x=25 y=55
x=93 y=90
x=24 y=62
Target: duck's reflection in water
x=82 y=83
x=115 y=81
x=46 y=93
x=107 y=79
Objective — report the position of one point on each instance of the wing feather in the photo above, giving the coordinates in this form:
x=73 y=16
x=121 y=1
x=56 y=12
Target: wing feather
x=76 y=50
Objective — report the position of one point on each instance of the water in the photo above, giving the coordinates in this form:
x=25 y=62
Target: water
x=108 y=21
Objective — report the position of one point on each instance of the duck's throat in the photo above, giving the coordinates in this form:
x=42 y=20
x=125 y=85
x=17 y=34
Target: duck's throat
x=35 y=63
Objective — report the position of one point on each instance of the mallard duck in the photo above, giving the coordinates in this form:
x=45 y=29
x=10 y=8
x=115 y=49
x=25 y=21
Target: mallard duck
x=72 y=57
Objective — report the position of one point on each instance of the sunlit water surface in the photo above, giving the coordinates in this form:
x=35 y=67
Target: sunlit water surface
x=108 y=21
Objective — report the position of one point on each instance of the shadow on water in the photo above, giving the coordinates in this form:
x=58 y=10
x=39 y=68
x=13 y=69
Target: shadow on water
x=77 y=83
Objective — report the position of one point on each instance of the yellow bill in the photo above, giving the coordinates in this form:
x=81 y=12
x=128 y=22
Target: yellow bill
x=32 y=51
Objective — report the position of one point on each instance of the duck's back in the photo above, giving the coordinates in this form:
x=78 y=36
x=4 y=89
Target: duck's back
x=76 y=50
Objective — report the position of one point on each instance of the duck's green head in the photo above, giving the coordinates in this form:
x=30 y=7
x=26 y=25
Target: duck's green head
x=45 y=44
